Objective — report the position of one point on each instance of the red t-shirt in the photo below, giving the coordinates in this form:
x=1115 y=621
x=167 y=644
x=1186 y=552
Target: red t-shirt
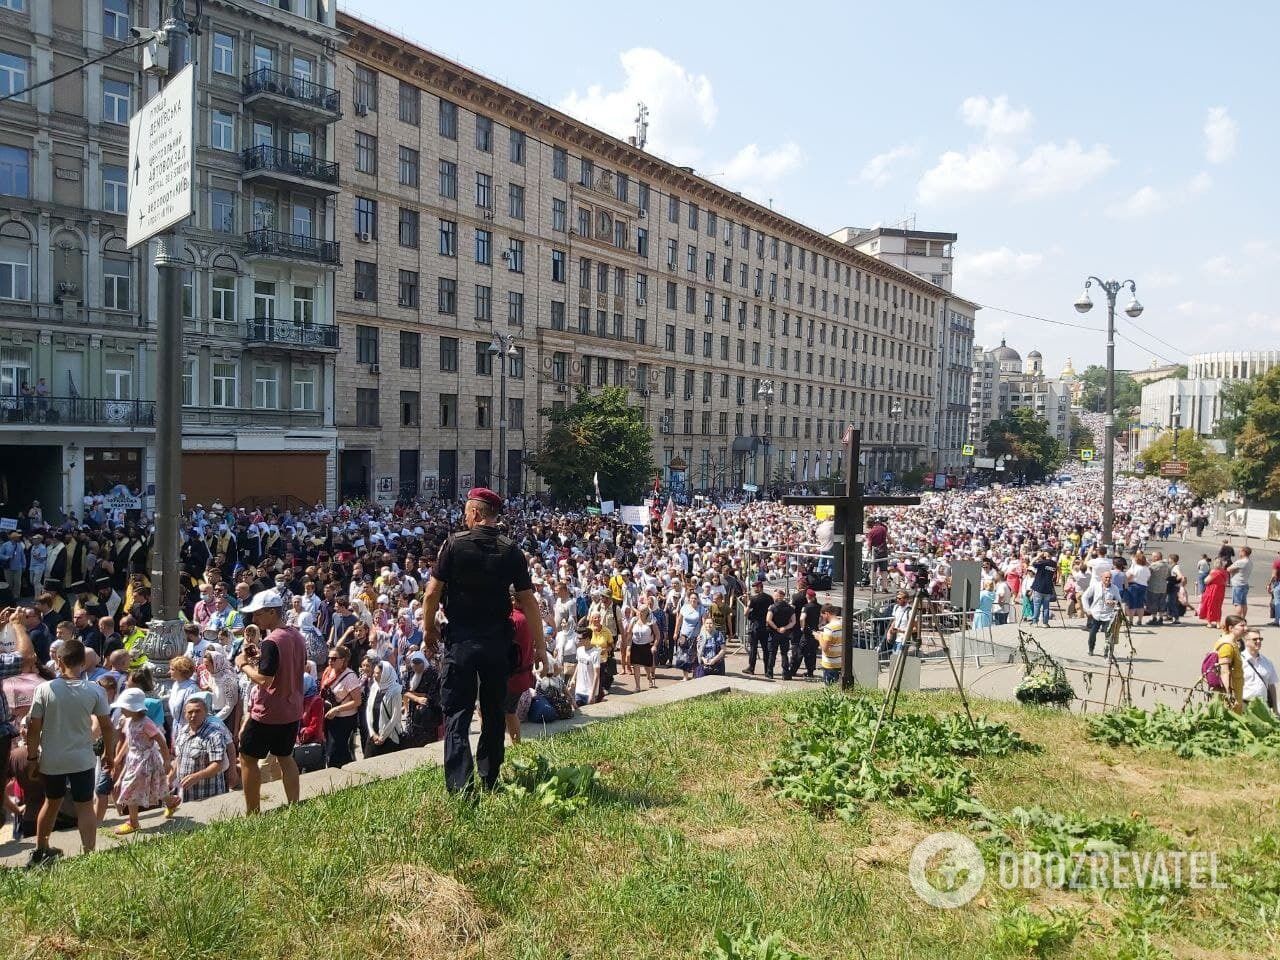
x=521 y=678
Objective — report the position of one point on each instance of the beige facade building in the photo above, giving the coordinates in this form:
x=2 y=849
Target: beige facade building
x=77 y=307
x=469 y=211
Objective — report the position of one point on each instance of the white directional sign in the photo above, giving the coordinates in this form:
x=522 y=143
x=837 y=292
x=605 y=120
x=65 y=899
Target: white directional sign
x=160 y=159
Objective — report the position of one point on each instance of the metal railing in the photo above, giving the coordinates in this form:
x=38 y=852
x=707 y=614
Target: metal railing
x=77 y=411
x=288 y=333
x=255 y=416
x=279 y=244
x=280 y=160
x=267 y=80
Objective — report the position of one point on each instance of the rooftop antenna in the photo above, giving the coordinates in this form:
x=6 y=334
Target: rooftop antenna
x=642 y=125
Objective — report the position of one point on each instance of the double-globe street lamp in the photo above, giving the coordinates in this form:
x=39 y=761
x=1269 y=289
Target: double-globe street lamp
x=764 y=393
x=1133 y=310
x=503 y=349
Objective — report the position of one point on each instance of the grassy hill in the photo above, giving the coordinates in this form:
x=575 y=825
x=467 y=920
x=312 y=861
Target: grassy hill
x=680 y=839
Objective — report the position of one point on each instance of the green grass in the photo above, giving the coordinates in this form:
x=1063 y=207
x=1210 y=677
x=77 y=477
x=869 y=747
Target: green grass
x=680 y=840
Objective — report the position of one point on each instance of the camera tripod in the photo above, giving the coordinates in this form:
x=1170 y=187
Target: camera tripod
x=914 y=621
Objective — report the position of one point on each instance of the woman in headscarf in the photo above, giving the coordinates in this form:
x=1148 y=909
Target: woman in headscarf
x=223 y=687
x=382 y=710
x=422 y=694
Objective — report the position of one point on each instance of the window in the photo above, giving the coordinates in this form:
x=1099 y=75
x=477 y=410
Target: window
x=224 y=54
x=693 y=216
x=448 y=238
x=622 y=186
x=410 y=408
x=15 y=172
x=264 y=299
x=449 y=179
x=484 y=246
x=557 y=266
x=515 y=257
x=584 y=222
x=222 y=130
x=304 y=388
x=640 y=330
x=264 y=58
x=449 y=354
x=366 y=217
x=673 y=209
x=366 y=281
x=484 y=362
x=117 y=375
x=515 y=413
x=515 y=201
x=189 y=382
x=448 y=410
x=557 y=315
x=223 y=382
x=366 y=152
x=115 y=99
x=559 y=163
x=642 y=242
x=620 y=234
x=408 y=228
x=484 y=302
x=15 y=269
x=304 y=305
x=484 y=412
x=188 y=294
x=114 y=191
x=517 y=147
x=366 y=344
x=410 y=350
x=408 y=288
x=559 y=216
x=266 y=386
x=366 y=407
x=586 y=172
x=222 y=299
x=365 y=94
x=13 y=78
x=448 y=120
x=222 y=211
x=302 y=220
x=515 y=308
x=116 y=272
x=447 y=296
x=115 y=19
x=409 y=167
x=484 y=191
x=484 y=134
x=410 y=103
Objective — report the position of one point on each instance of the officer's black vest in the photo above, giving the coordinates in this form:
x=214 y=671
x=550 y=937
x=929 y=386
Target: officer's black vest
x=477 y=594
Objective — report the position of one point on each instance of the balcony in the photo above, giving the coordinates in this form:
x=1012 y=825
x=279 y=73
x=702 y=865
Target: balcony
x=286 y=333
x=46 y=412
x=245 y=417
x=291 y=246
x=287 y=168
x=270 y=91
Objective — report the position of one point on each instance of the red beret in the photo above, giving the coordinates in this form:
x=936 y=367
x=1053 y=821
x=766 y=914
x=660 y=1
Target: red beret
x=485 y=495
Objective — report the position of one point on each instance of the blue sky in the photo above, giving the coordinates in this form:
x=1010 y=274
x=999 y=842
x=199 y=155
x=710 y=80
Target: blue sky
x=1120 y=139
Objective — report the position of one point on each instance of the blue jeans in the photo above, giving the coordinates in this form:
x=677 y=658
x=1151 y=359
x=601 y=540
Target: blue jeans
x=830 y=676
x=1040 y=607
x=1275 y=602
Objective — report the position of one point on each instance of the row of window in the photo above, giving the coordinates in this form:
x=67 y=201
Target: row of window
x=368 y=351
x=270 y=386
x=369 y=414
x=15 y=81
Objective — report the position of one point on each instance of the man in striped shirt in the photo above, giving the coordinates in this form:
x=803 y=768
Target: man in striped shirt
x=831 y=643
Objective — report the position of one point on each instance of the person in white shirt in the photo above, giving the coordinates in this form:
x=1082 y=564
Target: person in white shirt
x=586 y=672
x=1101 y=602
x=1260 y=678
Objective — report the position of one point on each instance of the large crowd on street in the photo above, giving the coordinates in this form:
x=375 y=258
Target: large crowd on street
x=94 y=707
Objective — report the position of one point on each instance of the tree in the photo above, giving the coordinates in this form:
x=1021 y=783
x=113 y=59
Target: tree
x=1094 y=396
x=1235 y=397
x=1208 y=473
x=1024 y=437
x=1256 y=466
x=597 y=433
x=1081 y=436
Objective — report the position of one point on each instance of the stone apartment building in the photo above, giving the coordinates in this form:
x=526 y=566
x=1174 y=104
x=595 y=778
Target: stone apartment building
x=77 y=307
x=471 y=213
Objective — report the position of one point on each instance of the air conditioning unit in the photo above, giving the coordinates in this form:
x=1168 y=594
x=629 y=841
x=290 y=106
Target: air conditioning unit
x=506 y=255
x=640 y=301
x=728 y=242
x=488 y=213
x=665 y=427
x=758 y=294
x=671 y=267
x=562 y=388
x=363 y=237
x=362 y=109
x=773 y=298
x=361 y=295
x=375 y=368
x=742 y=324
x=403 y=302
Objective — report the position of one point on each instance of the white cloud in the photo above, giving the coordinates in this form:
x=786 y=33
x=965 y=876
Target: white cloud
x=1002 y=261
x=1193 y=308
x=1253 y=257
x=879 y=169
x=977 y=170
x=1142 y=202
x=682 y=105
x=1054 y=169
x=1220 y=135
x=995 y=117
x=1199 y=183
x=1222 y=267
x=750 y=165
x=1158 y=280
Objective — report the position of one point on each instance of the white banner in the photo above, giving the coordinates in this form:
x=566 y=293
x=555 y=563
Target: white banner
x=634 y=516
x=606 y=507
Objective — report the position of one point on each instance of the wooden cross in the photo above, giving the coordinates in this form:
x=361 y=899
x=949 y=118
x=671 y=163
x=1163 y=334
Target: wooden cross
x=850 y=518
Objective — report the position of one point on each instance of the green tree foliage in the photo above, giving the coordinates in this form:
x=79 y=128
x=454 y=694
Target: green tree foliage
x=1256 y=466
x=1081 y=436
x=1094 y=397
x=1236 y=397
x=1208 y=473
x=1024 y=437
x=600 y=432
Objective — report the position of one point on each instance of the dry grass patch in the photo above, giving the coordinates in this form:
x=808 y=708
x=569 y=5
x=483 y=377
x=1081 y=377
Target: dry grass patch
x=434 y=914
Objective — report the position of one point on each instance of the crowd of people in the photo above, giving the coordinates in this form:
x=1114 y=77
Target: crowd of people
x=345 y=595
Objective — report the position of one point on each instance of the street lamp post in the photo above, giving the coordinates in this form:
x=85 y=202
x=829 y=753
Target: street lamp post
x=895 y=411
x=1134 y=310
x=765 y=393
x=503 y=349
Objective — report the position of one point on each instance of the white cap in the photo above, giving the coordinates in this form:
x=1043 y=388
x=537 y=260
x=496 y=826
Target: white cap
x=263 y=600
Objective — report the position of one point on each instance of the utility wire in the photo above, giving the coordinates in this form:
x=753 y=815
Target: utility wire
x=66 y=73
x=1158 y=356
x=1029 y=316
x=1152 y=336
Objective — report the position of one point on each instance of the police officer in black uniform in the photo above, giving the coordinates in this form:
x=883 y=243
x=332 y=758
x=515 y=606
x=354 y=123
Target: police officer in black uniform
x=475 y=575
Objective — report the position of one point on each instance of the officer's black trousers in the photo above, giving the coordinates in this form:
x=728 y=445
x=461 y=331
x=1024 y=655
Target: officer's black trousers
x=468 y=664
x=777 y=644
x=804 y=652
x=757 y=642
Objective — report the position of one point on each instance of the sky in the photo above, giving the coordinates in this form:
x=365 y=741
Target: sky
x=1127 y=140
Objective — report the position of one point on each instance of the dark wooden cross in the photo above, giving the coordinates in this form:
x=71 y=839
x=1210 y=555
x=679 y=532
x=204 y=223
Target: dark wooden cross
x=850 y=518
